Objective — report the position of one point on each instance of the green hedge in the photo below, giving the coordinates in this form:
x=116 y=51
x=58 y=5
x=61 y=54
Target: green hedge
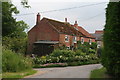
x=111 y=51
x=13 y=62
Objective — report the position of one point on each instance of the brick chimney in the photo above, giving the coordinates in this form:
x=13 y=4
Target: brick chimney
x=38 y=18
x=76 y=25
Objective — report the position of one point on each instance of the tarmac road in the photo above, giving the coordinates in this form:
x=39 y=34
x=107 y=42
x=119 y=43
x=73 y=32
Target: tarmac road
x=66 y=72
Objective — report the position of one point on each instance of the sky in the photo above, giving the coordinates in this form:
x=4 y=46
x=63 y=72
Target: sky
x=90 y=14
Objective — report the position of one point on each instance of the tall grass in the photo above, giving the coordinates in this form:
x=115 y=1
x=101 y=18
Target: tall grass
x=13 y=62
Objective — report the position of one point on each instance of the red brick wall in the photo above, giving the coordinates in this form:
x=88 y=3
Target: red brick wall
x=31 y=39
x=93 y=40
x=62 y=40
x=46 y=32
x=69 y=43
x=87 y=39
x=43 y=31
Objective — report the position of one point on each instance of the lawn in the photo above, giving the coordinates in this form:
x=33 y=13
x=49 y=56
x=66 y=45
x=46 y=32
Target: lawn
x=18 y=74
x=99 y=73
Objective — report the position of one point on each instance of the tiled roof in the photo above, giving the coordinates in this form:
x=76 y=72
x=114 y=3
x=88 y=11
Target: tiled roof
x=63 y=27
x=84 y=32
x=99 y=32
x=98 y=37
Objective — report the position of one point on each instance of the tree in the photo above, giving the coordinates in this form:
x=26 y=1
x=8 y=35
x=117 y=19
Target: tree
x=111 y=52
x=14 y=35
x=8 y=22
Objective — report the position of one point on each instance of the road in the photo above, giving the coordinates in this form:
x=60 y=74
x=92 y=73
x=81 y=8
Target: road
x=66 y=72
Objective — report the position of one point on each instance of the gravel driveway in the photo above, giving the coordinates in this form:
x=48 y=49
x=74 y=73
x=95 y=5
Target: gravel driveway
x=66 y=72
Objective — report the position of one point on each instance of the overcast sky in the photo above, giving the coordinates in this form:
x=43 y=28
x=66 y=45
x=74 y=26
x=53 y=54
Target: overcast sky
x=90 y=17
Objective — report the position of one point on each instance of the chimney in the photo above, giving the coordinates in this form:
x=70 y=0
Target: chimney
x=76 y=25
x=38 y=18
x=65 y=20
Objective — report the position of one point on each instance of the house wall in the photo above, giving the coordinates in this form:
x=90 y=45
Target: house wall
x=93 y=40
x=62 y=40
x=46 y=32
x=31 y=39
x=43 y=31
x=87 y=39
x=70 y=42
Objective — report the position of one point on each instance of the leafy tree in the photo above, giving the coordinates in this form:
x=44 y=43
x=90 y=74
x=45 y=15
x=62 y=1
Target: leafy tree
x=14 y=35
x=21 y=26
x=8 y=22
x=111 y=52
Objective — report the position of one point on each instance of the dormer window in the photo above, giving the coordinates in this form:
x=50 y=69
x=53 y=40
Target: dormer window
x=82 y=40
x=66 y=38
x=75 y=40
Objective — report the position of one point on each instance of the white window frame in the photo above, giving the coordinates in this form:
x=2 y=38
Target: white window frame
x=82 y=40
x=90 y=41
x=66 y=40
x=75 y=39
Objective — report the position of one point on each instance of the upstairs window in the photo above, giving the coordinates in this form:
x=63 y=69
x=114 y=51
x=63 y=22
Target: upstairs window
x=66 y=38
x=82 y=40
x=75 y=39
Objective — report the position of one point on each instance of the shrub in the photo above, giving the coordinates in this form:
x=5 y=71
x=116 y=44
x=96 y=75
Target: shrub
x=92 y=51
x=19 y=45
x=67 y=56
x=111 y=53
x=86 y=47
x=12 y=62
x=65 y=53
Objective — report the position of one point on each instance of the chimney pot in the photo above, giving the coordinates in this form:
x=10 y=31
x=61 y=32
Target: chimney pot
x=76 y=25
x=75 y=22
x=66 y=20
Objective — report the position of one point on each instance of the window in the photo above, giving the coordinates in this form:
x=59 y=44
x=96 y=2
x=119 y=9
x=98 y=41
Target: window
x=66 y=38
x=82 y=40
x=68 y=47
x=90 y=41
x=75 y=39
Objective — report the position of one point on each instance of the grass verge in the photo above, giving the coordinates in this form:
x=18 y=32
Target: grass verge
x=18 y=74
x=99 y=73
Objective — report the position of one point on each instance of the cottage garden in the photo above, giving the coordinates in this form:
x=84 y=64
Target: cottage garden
x=84 y=54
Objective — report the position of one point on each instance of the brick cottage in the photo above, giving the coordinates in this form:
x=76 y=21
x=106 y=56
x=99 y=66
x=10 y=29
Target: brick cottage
x=48 y=34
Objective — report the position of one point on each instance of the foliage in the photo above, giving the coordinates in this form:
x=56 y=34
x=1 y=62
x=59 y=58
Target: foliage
x=25 y=3
x=18 y=45
x=65 y=53
x=87 y=48
x=111 y=51
x=98 y=73
x=8 y=22
x=12 y=62
x=67 y=56
x=14 y=36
